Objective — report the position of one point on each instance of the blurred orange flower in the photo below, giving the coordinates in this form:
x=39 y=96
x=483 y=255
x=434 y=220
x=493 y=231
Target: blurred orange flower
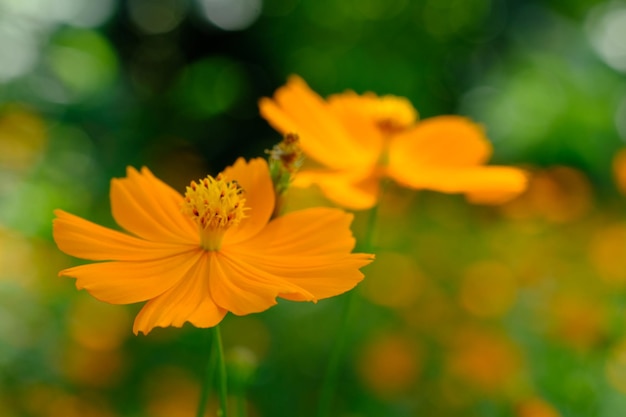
x=195 y=258
x=619 y=170
x=359 y=139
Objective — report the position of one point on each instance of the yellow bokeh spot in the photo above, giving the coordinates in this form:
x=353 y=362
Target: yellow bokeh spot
x=97 y=325
x=578 y=320
x=172 y=392
x=558 y=194
x=389 y=364
x=17 y=259
x=615 y=367
x=93 y=368
x=485 y=360
x=488 y=289
x=392 y=281
x=607 y=252
x=23 y=137
x=536 y=407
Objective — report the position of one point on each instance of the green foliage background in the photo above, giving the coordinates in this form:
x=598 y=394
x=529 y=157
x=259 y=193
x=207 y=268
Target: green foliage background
x=88 y=88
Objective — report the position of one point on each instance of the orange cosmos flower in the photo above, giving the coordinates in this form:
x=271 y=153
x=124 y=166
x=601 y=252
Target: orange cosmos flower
x=194 y=258
x=359 y=139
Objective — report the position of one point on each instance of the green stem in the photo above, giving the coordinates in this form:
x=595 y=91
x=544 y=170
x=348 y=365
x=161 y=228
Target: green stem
x=221 y=373
x=332 y=371
x=208 y=378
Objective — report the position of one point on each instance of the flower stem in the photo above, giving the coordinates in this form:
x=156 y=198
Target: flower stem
x=208 y=379
x=221 y=373
x=216 y=354
x=332 y=371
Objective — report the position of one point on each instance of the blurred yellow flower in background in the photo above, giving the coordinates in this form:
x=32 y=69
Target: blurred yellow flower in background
x=356 y=140
x=195 y=258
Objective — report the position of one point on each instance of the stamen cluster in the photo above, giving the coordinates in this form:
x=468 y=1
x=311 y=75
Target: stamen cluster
x=215 y=203
x=393 y=114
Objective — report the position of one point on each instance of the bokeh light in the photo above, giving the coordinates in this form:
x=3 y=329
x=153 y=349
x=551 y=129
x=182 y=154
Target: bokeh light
x=84 y=62
x=389 y=364
x=231 y=14
x=606 y=26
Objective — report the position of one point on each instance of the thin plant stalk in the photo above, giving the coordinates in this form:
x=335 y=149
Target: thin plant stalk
x=331 y=378
x=216 y=362
x=222 y=386
x=208 y=379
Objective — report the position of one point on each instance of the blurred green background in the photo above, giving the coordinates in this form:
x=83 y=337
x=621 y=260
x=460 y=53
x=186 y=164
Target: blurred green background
x=468 y=311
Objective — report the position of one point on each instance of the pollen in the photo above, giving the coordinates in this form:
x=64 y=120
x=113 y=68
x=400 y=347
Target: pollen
x=215 y=205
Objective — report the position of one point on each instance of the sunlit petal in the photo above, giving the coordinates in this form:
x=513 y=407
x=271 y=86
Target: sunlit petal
x=318 y=241
x=444 y=141
x=298 y=109
x=149 y=208
x=446 y=154
x=381 y=115
x=84 y=239
x=131 y=282
x=242 y=288
x=342 y=188
x=190 y=300
x=484 y=183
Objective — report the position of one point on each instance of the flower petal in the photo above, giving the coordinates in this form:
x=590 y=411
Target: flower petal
x=147 y=207
x=254 y=177
x=298 y=109
x=83 y=239
x=190 y=300
x=131 y=282
x=439 y=141
x=369 y=117
x=445 y=154
x=242 y=288
x=309 y=248
x=342 y=188
x=490 y=183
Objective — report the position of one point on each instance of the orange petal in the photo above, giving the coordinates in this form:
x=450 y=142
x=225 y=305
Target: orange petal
x=513 y=182
x=242 y=288
x=380 y=114
x=361 y=117
x=298 y=109
x=254 y=177
x=147 y=207
x=445 y=154
x=84 y=239
x=450 y=141
x=190 y=301
x=490 y=183
x=343 y=189
x=309 y=248
x=131 y=282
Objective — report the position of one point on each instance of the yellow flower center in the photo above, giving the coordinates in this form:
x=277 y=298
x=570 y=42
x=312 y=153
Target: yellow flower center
x=393 y=114
x=215 y=205
x=390 y=114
